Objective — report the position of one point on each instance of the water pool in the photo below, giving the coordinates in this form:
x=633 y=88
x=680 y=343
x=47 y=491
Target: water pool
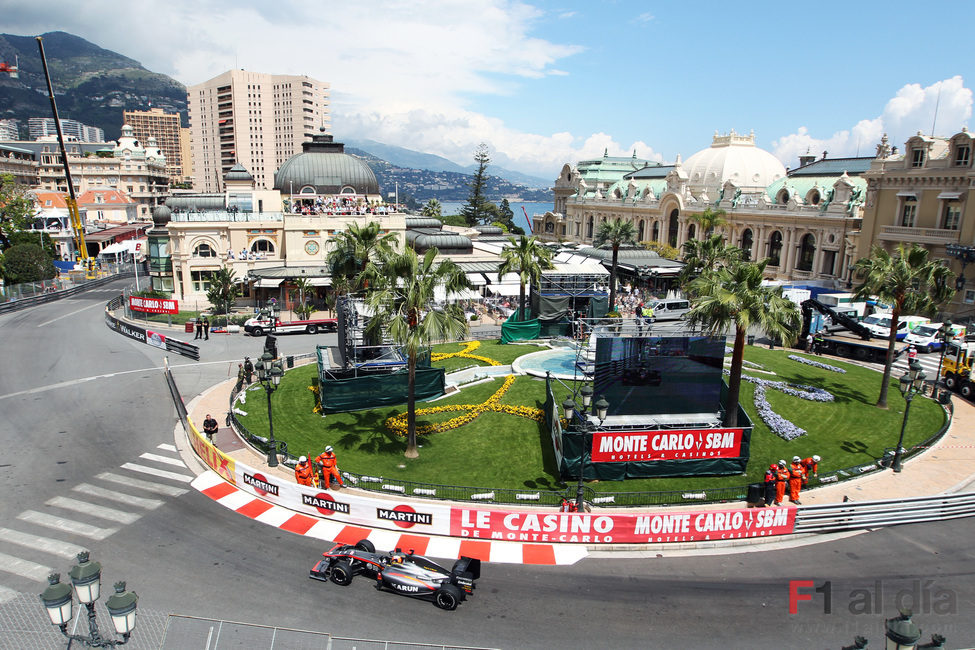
x=561 y=363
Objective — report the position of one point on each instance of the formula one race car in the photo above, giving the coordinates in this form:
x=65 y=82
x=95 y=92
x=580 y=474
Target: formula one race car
x=404 y=573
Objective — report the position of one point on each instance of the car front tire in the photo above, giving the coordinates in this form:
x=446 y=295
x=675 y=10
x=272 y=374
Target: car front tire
x=447 y=597
x=341 y=573
x=365 y=545
x=257 y=331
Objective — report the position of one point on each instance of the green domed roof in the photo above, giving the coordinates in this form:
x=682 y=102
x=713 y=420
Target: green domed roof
x=324 y=165
x=423 y=239
x=238 y=173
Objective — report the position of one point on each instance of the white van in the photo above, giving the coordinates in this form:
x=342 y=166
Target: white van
x=927 y=337
x=670 y=308
x=879 y=325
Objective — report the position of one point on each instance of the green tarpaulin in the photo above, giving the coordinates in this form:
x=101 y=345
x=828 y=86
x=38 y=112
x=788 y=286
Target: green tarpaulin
x=372 y=391
x=515 y=329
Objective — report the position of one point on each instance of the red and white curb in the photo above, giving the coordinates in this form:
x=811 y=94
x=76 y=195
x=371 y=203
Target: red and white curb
x=244 y=503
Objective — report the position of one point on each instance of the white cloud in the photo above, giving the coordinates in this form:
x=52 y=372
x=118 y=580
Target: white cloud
x=645 y=17
x=911 y=110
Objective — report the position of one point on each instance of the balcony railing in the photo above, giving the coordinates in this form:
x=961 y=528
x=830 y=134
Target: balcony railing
x=918 y=235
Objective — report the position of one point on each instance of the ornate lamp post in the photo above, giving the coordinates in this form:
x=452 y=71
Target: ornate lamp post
x=911 y=383
x=586 y=428
x=269 y=373
x=86 y=580
x=901 y=632
x=945 y=337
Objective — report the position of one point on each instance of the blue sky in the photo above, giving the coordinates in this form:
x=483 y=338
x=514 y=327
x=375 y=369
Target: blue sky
x=545 y=83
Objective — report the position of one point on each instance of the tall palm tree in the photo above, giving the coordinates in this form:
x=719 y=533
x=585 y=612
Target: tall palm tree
x=616 y=233
x=733 y=296
x=432 y=208
x=224 y=290
x=353 y=249
x=910 y=282
x=702 y=254
x=401 y=294
x=527 y=257
x=710 y=219
x=299 y=290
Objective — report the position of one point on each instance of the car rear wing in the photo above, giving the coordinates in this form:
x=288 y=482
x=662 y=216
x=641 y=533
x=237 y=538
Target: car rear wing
x=468 y=564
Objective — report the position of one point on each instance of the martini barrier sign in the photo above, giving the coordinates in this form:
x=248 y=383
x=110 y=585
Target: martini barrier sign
x=665 y=444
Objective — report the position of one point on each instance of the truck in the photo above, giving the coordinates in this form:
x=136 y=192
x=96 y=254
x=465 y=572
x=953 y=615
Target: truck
x=854 y=341
x=957 y=367
x=263 y=324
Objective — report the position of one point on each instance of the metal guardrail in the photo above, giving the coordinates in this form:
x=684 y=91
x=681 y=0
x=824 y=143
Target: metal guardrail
x=853 y=515
x=40 y=299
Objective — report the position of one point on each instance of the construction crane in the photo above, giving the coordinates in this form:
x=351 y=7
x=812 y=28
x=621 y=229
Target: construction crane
x=11 y=70
x=77 y=226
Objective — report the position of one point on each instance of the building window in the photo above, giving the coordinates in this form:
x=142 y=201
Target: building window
x=963 y=156
x=204 y=250
x=909 y=213
x=746 y=243
x=656 y=231
x=201 y=280
x=829 y=262
x=917 y=158
x=262 y=246
x=807 y=249
x=775 y=249
x=952 y=216
x=691 y=231
x=969 y=296
x=589 y=228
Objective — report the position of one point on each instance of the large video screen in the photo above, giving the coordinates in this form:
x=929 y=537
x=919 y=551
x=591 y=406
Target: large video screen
x=659 y=374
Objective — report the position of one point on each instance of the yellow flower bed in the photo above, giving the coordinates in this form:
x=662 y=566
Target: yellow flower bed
x=465 y=353
x=398 y=423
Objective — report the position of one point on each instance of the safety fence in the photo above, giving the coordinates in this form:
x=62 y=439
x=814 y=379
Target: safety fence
x=64 y=290
x=147 y=336
x=853 y=515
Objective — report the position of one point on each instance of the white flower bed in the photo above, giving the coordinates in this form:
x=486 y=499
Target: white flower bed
x=817 y=364
x=778 y=424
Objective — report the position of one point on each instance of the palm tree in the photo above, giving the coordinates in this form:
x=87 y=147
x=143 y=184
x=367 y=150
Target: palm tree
x=353 y=249
x=300 y=288
x=401 y=295
x=432 y=208
x=710 y=219
x=910 y=282
x=224 y=290
x=702 y=254
x=615 y=232
x=733 y=296
x=527 y=257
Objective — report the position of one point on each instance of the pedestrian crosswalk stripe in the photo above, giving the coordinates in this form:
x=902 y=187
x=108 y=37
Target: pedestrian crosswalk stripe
x=148 y=486
x=161 y=473
x=7 y=594
x=163 y=459
x=77 y=505
x=167 y=447
x=121 y=497
x=24 y=568
x=46 y=544
x=66 y=525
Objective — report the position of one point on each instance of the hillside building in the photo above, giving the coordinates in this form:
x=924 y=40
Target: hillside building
x=43 y=127
x=255 y=119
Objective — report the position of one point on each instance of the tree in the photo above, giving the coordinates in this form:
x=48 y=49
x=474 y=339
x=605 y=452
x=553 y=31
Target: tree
x=703 y=254
x=300 y=289
x=733 y=296
x=16 y=209
x=475 y=211
x=910 y=282
x=224 y=291
x=353 y=249
x=401 y=295
x=665 y=251
x=27 y=263
x=527 y=257
x=710 y=219
x=433 y=208
x=35 y=237
x=616 y=233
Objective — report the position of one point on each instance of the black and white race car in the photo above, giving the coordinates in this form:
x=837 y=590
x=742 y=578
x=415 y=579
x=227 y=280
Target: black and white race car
x=404 y=573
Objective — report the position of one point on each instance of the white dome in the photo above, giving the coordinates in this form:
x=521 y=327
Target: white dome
x=733 y=158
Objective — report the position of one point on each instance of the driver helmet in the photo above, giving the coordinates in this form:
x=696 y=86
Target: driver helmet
x=397 y=559
x=303 y=459
x=328 y=449
x=816 y=459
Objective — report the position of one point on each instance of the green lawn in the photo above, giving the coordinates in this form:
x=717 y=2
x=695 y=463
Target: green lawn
x=499 y=450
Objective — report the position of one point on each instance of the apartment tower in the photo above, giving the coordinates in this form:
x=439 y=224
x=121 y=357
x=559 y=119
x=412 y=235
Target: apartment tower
x=164 y=127
x=258 y=120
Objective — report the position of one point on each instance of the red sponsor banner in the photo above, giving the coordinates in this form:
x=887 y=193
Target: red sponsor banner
x=587 y=528
x=665 y=444
x=154 y=305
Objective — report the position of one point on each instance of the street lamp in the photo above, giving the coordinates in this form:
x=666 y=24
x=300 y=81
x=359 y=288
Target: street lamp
x=86 y=580
x=901 y=632
x=911 y=383
x=587 y=427
x=945 y=333
x=269 y=373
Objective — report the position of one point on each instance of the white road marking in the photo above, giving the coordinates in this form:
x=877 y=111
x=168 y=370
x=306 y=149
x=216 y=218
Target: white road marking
x=66 y=525
x=128 y=499
x=157 y=472
x=70 y=313
x=46 y=544
x=7 y=594
x=167 y=447
x=24 y=568
x=163 y=459
x=77 y=505
x=149 y=486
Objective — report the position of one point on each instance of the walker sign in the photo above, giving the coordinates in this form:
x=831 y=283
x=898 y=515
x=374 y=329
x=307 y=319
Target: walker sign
x=665 y=444
x=579 y=528
x=154 y=305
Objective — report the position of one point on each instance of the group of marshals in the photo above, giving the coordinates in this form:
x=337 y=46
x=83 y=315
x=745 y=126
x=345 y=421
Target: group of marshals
x=327 y=465
x=795 y=476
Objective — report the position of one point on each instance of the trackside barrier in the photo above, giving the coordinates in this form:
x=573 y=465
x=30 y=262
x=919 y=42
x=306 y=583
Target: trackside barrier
x=889 y=512
x=23 y=303
x=149 y=337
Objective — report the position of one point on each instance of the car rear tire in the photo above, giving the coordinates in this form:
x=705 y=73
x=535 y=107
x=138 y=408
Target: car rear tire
x=341 y=573
x=312 y=329
x=447 y=597
x=257 y=331
x=365 y=545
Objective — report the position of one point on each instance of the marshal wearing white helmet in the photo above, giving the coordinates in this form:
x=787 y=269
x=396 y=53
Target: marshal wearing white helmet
x=809 y=466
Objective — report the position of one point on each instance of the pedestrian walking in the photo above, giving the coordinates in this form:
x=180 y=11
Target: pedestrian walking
x=911 y=354
x=327 y=462
x=206 y=328
x=771 y=477
x=210 y=427
x=248 y=370
x=795 y=480
x=199 y=329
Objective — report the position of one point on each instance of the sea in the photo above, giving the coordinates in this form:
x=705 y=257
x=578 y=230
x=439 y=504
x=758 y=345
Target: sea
x=531 y=207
